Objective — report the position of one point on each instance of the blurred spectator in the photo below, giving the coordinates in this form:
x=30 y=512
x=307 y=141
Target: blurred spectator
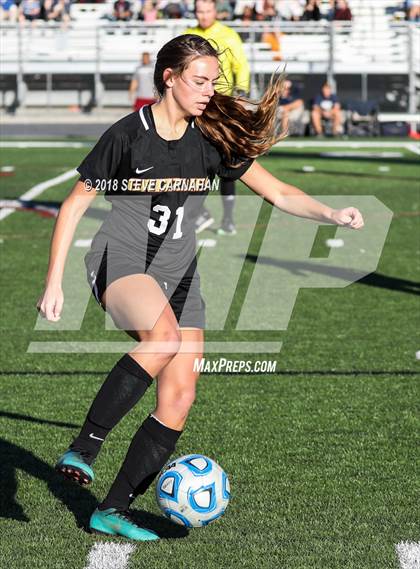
x=248 y=15
x=291 y=108
x=141 y=91
x=122 y=11
x=29 y=11
x=273 y=38
x=312 y=11
x=224 y=10
x=266 y=10
x=149 y=11
x=326 y=107
x=290 y=9
x=413 y=10
x=173 y=10
x=8 y=11
x=248 y=18
x=341 y=10
x=57 y=10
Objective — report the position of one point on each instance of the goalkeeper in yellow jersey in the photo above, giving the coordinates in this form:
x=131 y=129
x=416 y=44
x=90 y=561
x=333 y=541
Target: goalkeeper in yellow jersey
x=234 y=80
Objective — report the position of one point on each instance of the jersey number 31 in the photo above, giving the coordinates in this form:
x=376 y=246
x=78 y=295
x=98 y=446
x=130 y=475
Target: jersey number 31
x=159 y=226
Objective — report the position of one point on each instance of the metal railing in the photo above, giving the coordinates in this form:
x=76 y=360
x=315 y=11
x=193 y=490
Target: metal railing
x=323 y=47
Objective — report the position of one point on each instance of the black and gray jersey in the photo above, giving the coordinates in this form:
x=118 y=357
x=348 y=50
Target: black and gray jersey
x=155 y=186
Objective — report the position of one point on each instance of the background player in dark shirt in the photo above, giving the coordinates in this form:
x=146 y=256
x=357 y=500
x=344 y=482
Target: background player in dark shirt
x=326 y=106
x=157 y=210
x=291 y=107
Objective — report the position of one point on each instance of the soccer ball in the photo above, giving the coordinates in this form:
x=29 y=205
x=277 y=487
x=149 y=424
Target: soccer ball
x=193 y=490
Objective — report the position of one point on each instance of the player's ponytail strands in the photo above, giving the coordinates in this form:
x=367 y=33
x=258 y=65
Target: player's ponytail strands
x=243 y=128
x=239 y=127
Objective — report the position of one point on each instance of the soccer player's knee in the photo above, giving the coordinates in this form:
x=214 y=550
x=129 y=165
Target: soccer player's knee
x=172 y=337
x=169 y=338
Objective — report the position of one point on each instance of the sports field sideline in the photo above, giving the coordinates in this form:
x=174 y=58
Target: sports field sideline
x=322 y=454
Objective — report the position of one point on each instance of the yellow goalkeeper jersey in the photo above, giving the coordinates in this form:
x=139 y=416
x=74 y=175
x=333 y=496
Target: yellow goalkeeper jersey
x=233 y=62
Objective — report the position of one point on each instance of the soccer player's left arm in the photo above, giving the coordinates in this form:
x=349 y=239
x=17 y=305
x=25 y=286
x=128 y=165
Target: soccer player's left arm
x=239 y=63
x=294 y=201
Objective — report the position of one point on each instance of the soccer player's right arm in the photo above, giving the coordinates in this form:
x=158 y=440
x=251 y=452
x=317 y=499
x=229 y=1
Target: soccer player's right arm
x=73 y=207
x=294 y=201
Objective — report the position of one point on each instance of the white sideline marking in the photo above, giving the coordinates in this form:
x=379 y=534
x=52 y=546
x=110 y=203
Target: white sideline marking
x=109 y=556
x=414 y=148
x=408 y=554
x=40 y=144
x=334 y=243
x=39 y=188
x=353 y=154
x=207 y=243
x=83 y=243
x=346 y=144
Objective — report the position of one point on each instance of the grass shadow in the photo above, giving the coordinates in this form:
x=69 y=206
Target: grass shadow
x=78 y=500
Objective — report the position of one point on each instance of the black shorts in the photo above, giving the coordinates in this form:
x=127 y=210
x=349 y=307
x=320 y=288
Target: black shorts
x=183 y=294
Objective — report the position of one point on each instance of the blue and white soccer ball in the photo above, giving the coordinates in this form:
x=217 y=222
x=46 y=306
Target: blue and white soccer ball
x=193 y=490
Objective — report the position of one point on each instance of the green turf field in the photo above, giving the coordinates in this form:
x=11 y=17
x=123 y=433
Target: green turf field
x=322 y=455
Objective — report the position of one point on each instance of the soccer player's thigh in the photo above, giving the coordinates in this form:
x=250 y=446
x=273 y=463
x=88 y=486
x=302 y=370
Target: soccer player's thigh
x=178 y=379
x=137 y=304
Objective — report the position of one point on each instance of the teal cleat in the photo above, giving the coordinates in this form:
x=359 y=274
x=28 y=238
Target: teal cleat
x=118 y=522
x=75 y=464
x=227 y=228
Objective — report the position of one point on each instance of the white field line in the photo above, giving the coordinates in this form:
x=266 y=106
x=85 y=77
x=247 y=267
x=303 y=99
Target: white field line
x=287 y=144
x=414 y=148
x=41 y=144
x=83 y=243
x=408 y=554
x=345 y=144
x=39 y=188
x=109 y=556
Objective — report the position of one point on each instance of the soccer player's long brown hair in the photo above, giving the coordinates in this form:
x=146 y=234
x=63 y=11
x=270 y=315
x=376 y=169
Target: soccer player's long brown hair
x=239 y=127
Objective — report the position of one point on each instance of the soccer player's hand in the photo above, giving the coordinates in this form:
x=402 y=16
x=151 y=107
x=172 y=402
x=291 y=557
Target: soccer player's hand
x=348 y=217
x=50 y=303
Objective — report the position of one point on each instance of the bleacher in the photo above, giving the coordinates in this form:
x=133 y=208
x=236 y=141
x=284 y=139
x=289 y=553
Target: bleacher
x=101 y=56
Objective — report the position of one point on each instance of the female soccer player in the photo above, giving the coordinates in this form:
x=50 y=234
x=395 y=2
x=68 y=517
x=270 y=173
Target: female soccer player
x=142 y=266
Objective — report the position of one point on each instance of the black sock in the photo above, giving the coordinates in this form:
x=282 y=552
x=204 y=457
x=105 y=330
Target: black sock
x=149 y=450
x=228 y=207
x=125 y=385
x=227 y=189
